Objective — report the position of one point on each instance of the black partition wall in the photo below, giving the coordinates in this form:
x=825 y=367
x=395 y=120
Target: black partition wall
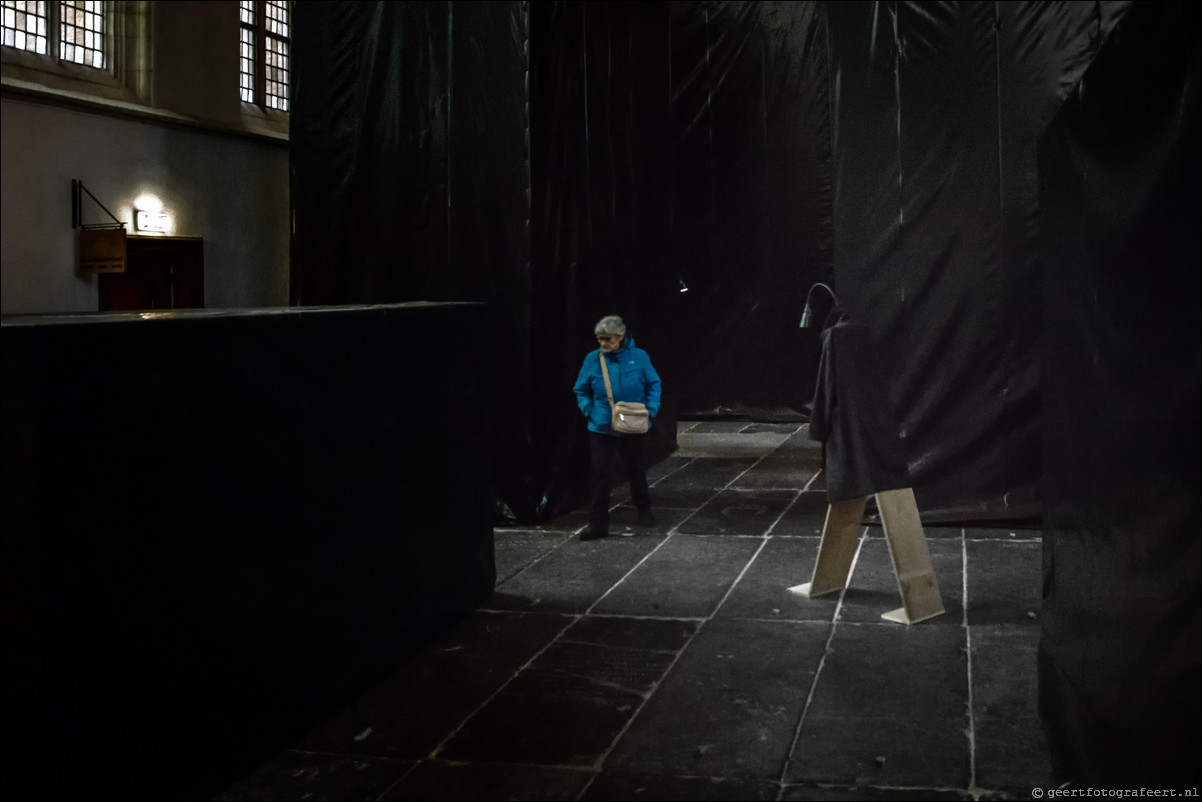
x=221 y=525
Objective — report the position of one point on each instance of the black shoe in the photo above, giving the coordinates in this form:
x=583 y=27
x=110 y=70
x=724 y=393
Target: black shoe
x=646 y=518
x=593 y=534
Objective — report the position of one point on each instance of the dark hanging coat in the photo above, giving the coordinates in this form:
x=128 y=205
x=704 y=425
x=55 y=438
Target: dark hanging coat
x=854 y=417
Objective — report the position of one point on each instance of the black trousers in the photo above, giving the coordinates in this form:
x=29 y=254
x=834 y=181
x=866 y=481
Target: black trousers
x=603 y=448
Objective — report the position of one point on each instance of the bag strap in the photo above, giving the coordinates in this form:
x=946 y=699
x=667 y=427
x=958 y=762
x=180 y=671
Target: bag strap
x=609 y=391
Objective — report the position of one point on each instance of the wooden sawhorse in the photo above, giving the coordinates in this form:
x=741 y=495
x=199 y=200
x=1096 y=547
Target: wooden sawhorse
x=907 y=545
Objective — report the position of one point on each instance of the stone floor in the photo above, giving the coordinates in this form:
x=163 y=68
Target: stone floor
x=672 y=663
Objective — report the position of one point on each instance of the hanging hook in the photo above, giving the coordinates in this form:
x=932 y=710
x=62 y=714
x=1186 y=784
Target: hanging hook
x=805 y=314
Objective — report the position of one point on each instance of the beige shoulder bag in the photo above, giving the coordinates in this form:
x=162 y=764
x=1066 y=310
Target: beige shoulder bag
x=629 y=417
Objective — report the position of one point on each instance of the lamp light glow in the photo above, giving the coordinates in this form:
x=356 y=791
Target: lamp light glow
x=149 y=217
x=149 y=203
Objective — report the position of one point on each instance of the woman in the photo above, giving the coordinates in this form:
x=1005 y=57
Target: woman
x=633 y=379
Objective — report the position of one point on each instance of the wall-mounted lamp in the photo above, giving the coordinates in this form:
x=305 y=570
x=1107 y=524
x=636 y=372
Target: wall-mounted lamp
x=805 y=313
x=152 y=222
x=683 y=288
x=149 y=217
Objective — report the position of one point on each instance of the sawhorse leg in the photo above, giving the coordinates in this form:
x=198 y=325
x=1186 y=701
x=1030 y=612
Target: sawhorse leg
x=844 y=522
x=907 y=547
x=911 y=558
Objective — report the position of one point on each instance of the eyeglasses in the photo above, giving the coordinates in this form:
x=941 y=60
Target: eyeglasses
x=605 y=338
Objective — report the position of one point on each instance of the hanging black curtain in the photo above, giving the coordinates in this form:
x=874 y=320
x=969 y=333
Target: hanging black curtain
x=937 y=108
x=599 y=167
x=1119 y=187
x=678 y=158
x=410 y=181
x=563 y=161
x=750 y=194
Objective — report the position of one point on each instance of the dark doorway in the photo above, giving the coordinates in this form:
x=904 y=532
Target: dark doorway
x=160 y=273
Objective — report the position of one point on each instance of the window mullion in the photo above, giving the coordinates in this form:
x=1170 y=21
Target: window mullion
x=261 y=53
x=54 y=30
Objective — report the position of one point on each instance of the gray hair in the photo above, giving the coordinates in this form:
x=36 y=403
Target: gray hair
x=610 y=324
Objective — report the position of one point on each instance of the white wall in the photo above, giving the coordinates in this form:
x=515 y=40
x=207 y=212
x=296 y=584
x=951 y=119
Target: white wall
x=165 y=119
x=230 y=190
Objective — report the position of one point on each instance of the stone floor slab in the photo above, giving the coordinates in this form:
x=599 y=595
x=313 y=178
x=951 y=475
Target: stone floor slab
x=732 y=445
x=873 y=588
x=677 y=495
x=719 y=426
x=805 y=516
x=1011 y=750
x=1002 y=533
x=666 y=467
x=815 y=793
x=409 y=712
x=623 y=520
x=1005 y=581
x=573 y=577
x=929 y=531
x=942 y=532
x=572 y=521
x=889 y=709
x=517 y=549
x=779 y=472
x=547 y=692
x=305 y=775
x=661 y=635
x=800 y=441
x=777 y=428
x=763 y=590
x=565 y=709
x=739 y=512
x=730 y=705
x=440 y=781
x=715 y=472
x=818 y=482
x=611 y=785
x=686 y=578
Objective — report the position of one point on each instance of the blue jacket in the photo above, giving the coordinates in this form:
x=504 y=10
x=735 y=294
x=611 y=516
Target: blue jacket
x=632 y=378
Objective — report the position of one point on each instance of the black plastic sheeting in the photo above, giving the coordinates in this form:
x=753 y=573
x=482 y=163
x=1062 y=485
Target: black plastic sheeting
x=749 y=227
x=1120 y=185
x=938 y=107
x=410 y=181
x=565 y=160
